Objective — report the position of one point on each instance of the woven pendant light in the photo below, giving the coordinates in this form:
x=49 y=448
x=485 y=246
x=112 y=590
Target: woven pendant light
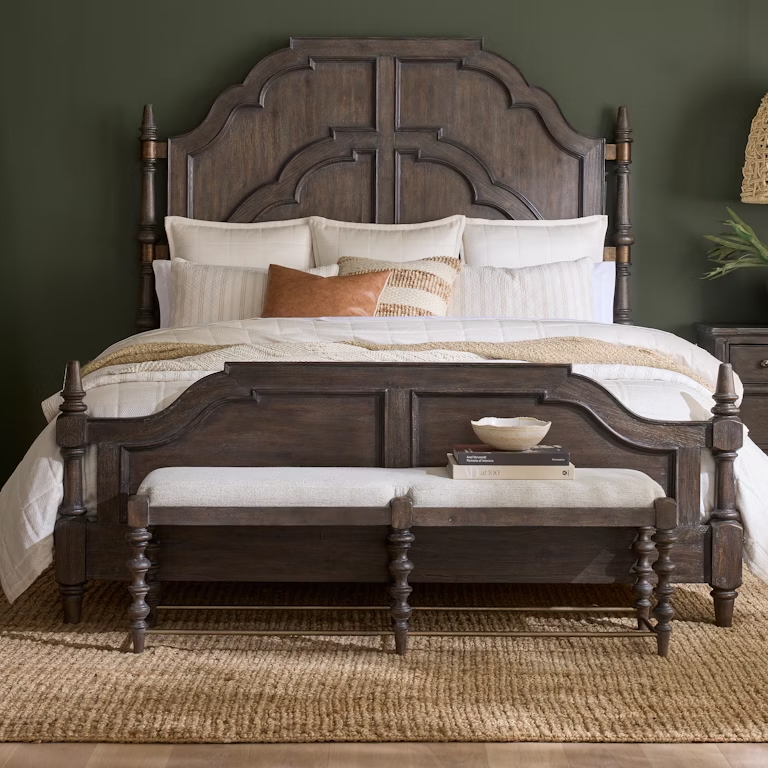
x=754 y=188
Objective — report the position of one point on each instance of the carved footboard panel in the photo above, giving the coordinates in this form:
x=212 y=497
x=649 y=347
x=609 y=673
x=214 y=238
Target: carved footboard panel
x=383 y=415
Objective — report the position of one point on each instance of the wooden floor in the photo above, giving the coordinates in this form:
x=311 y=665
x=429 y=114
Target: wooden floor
x=383 y=755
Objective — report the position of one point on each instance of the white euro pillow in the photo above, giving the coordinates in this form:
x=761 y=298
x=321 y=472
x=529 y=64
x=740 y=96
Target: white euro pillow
x=385 y=242
x=287 y=243
x=524 y=243
x=558 y=291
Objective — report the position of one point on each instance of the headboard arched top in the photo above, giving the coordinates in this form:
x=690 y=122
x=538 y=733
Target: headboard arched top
x=399 y=130
x=387 y=130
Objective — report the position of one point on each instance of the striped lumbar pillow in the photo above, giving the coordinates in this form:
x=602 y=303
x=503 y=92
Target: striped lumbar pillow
x=420 y=288
x=561 y=290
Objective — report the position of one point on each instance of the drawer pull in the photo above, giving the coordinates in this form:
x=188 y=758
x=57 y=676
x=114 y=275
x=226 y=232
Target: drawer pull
x=764 y=363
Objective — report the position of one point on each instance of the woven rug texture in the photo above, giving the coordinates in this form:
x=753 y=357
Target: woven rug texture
x=80 y=683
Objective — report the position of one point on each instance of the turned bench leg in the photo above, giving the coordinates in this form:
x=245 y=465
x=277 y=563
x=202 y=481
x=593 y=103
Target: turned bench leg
x=644 y=550
x=138 y=566
x=664 y=567
x=399 y=542
x=664 y=539
x=138 y=537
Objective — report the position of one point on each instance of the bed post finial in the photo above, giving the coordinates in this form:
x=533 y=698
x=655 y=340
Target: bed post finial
x=148 y=127
x=727 y=436
x=69 y=533
x=624 y=235
x=73 y=393
x=148 y=234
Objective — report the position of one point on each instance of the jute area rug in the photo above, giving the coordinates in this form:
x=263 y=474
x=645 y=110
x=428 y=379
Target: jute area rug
x=61 y=683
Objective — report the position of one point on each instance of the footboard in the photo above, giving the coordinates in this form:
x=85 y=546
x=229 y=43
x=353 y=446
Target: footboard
x=388 y=415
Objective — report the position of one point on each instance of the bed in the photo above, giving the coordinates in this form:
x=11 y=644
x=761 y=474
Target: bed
x=395 y=132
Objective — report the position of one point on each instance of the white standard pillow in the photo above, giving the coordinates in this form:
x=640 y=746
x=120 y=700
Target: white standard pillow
x=287 y=243
x=206 y=293
x=514 y=244
x=603 y=290
x=385 y=242
x=163 y=290
x=559 y=291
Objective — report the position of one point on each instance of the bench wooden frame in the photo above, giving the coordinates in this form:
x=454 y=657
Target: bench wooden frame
x=656 y=535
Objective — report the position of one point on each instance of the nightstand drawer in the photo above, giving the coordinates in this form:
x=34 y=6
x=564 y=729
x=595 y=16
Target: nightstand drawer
x=754 y=413
x=750 y=361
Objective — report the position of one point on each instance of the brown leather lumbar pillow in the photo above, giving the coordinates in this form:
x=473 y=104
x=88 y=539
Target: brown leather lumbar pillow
x=293 y=293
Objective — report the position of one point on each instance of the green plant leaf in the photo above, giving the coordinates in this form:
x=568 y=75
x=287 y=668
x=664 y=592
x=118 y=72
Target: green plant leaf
x=735 y=249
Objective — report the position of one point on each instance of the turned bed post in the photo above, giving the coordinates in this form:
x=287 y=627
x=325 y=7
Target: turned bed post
x=727 y=533
x=148 y=232
x=69 y=533
x=623 y=235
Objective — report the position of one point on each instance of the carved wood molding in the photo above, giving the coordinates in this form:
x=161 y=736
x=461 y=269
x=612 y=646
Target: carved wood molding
x=374 y=89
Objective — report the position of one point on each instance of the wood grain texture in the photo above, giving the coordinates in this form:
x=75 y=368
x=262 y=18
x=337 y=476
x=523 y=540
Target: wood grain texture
x=606 y=756
x=528 y=755
x=131 y=756
x=522 y=755
x=408 y=755
x=432 y=110
x=45 y=755
x=6 y=750
x=387 y=130
x=745 y=755
x=200 y=428
x=216 y=756
x=700 y=755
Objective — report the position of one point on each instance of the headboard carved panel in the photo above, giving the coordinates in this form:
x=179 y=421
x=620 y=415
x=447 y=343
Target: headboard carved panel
x=388 y=131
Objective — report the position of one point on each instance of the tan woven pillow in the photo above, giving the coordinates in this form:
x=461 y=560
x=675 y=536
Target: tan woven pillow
x=415 y=288
x=293 y=293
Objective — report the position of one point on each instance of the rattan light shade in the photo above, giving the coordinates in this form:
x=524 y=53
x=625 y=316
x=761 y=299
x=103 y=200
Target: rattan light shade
x=754 y=188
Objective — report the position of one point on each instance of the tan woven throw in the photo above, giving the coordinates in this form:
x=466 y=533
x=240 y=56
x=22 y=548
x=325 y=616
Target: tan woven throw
x=148 y=352
x=557 y=349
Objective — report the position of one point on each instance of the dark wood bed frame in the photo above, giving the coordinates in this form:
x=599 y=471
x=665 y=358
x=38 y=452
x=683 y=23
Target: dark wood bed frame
x=389 y=131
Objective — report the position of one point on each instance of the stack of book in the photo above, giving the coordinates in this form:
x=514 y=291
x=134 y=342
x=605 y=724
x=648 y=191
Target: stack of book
x=479 y=462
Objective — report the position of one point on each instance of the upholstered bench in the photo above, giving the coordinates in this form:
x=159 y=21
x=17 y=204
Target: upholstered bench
x=402 y=499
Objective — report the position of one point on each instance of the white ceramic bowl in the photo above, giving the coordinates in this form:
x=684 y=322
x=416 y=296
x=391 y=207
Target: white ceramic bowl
x=518 y=434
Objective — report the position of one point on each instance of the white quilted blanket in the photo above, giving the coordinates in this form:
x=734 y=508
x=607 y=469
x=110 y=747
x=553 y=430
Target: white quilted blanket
x=30 y=498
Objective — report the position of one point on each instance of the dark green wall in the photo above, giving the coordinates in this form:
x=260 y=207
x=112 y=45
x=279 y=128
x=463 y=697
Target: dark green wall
x=74 y=75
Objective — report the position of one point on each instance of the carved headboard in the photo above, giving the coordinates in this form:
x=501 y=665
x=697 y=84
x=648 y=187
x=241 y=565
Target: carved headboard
x=384 y=130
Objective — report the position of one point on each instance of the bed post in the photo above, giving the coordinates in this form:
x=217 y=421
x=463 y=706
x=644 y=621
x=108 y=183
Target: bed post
x=623 y=235
x=727 y=532
x=148 y=234
x=69 y=533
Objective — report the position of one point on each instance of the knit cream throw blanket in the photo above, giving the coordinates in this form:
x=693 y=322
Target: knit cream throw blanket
x=557 y=349
x=149 y=352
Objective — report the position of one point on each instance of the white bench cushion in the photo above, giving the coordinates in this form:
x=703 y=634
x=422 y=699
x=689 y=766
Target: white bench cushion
x=375 y=487
x=273 y=486
x=620 y=488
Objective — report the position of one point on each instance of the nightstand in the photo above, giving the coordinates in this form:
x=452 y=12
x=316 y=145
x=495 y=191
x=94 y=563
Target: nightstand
x=745 y=347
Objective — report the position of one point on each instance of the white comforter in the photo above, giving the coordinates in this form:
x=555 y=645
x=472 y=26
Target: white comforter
x=30 y=498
